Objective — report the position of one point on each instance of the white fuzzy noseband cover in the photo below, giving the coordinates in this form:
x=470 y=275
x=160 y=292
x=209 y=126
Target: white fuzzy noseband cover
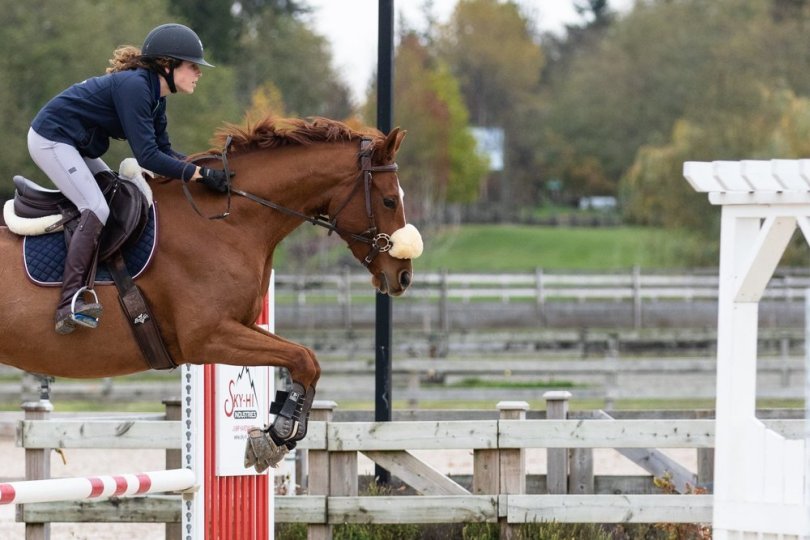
x=407 y=243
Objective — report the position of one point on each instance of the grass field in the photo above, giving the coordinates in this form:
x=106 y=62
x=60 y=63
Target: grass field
x=488 y=248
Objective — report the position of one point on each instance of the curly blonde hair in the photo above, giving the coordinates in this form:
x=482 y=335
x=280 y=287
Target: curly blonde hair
x=129 y=57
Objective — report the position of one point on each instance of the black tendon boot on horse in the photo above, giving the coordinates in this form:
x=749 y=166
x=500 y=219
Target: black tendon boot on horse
x=72 y=309
x=267 y=447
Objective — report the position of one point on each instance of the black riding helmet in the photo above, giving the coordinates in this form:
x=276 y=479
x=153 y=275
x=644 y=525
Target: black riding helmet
x=174 y=41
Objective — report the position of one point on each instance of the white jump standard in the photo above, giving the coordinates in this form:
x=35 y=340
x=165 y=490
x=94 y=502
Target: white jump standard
x=759 y=487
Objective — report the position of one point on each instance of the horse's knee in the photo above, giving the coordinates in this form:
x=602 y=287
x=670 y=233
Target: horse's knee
x=316 y=367
x=306 y=370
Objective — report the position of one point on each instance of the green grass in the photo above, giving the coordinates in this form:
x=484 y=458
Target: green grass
x=482 y=248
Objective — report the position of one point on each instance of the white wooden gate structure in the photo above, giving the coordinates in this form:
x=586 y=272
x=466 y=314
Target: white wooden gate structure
x=759 y=488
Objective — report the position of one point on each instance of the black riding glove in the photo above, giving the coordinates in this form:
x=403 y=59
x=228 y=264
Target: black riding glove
x=214 y=179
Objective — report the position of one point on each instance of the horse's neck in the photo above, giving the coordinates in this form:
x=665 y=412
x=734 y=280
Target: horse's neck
x=302 y=178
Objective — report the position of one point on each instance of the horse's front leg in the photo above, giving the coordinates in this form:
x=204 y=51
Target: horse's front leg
x=236 y=344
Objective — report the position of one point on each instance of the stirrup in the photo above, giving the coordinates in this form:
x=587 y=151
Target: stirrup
x=83 y=319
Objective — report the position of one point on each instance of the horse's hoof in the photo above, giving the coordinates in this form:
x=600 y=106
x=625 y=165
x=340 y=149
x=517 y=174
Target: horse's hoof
x=262 y=452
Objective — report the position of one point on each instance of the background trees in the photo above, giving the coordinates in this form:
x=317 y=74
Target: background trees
x=493 y=52
x=440 y=156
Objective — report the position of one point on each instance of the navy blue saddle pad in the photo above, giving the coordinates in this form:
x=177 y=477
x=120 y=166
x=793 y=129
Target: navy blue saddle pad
x=45 y=255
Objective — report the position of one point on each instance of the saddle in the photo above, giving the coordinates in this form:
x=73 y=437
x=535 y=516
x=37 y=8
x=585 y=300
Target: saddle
x=129 y=210
x=36 y=210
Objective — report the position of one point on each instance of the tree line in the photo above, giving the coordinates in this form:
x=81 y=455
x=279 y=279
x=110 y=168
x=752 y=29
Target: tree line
x=613 y=106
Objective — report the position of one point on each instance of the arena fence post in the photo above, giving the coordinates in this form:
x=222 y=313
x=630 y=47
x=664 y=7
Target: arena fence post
x=37 y=460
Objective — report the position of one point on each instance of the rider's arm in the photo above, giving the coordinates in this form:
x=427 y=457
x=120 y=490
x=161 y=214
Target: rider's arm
x=134 y=104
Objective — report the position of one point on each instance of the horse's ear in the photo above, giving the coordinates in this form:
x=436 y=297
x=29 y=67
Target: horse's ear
x=390 y=147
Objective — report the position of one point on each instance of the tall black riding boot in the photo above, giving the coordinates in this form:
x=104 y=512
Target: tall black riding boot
x=72 y=309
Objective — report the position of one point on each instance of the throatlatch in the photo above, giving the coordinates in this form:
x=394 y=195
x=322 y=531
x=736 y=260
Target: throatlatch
x=267 y=447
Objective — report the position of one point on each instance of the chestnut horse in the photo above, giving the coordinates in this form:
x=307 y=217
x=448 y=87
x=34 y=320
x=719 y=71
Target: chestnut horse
x=209 y=276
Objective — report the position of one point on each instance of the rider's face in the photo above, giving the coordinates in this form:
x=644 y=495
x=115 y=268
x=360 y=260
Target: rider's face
x=186 y=76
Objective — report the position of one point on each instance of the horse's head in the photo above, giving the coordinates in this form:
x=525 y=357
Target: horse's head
x=364 y=207
x=370 y=217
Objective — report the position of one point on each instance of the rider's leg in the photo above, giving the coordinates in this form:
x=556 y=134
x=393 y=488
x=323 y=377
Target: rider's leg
x=78 y=265
x=70 y=173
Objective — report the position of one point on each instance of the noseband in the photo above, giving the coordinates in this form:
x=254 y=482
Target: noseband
x=378 y=242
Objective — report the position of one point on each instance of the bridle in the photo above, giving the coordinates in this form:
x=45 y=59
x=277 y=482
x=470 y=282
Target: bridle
x=378 y=242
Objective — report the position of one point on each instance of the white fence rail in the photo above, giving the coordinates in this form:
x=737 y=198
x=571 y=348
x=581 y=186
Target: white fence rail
x=539 y=286
x=440 y=300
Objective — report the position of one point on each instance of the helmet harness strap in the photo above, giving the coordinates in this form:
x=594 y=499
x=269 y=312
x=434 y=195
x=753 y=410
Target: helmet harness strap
x=169 y=76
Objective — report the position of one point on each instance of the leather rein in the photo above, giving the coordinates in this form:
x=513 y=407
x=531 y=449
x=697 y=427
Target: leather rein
x=378 y=242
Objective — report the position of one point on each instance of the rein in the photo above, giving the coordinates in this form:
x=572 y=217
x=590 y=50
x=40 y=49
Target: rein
x=224 y=158
x=379 y=242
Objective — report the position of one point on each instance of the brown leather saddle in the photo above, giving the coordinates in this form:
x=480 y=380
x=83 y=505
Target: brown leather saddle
x=129 y=216
x=129 y=210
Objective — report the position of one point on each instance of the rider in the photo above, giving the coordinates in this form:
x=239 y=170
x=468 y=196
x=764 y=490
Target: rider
x=72 y=131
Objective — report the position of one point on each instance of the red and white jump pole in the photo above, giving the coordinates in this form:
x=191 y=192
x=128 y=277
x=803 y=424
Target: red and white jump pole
x=96 y=487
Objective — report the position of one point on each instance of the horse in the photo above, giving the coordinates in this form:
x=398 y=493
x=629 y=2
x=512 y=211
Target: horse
x=208 y=277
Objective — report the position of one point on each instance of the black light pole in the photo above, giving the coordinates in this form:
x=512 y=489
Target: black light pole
x=383 y=333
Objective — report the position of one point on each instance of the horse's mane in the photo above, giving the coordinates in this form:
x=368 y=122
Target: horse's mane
x=274 y=132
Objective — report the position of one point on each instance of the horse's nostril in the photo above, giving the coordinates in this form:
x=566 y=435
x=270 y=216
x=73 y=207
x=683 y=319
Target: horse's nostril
x=405 y=279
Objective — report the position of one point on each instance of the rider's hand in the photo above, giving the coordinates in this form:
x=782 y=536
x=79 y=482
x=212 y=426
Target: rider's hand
x=214 y=179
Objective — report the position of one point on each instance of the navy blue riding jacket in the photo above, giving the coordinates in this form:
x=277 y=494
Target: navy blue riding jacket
x=122 y=105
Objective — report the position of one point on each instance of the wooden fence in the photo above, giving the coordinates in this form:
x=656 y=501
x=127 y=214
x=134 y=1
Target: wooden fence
x=539 y=286
x=499 y=491
x=38 y=433
x=441 y=300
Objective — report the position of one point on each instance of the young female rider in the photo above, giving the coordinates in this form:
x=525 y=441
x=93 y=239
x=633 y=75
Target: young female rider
x=72 y=131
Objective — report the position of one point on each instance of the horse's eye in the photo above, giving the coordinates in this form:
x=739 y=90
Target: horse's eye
x=389 y=203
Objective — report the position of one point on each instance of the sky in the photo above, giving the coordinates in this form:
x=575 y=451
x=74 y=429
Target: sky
x=351 y=28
